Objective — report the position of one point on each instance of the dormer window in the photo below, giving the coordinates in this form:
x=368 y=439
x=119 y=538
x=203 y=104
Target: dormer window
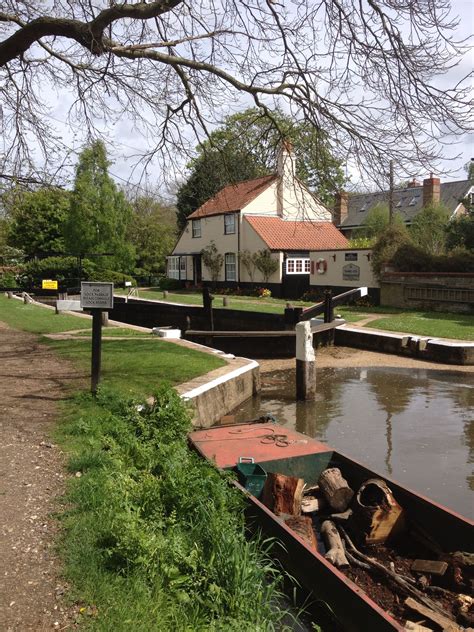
x=229 y=224
x=399 y=205
x=412 y=201
x=364 y=208
x=196 y=223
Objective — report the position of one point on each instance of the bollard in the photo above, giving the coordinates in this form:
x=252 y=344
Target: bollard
x=165 y=293
x=105 y=319
x=305 y=362
x=9 y=294
x=225 y=302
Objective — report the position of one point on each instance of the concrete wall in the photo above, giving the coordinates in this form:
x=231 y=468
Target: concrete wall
x=353 y=263
x=432 y=291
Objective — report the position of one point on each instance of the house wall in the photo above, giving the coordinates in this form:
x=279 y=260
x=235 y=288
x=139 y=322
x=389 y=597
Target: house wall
x=251 y=241
x=264 y=204
x=337 y=263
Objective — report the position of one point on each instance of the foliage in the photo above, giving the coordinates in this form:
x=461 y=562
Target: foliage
x=152 y=231
x=155 y=535
x=99 y=213
x=118 y=278
x=377 y=221
x=266 y=264
x=62 y=269
x=245 y=147
x=213 y=260
x=170 y=284
x=411 y=258
x=428 y=229
x=386 y=246
x=8 y=279
x=361 y=242
x=247 y=259
x=264 y=292
x=36 y=220
x=460 y=231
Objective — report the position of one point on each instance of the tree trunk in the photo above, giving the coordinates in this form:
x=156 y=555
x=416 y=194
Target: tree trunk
x=336 y=489
x=283 y=494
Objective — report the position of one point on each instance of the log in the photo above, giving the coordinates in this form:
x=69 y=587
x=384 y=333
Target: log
x=309 y=504
x=376 y=512
x=336 y=489
x=303 y=526
x=447 y=625
x=432 y=567
x=411 y=626
x=335 y=553
x=283 y=494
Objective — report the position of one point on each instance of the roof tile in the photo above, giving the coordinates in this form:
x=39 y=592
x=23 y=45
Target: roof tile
x=233 y=197
x=280 y=234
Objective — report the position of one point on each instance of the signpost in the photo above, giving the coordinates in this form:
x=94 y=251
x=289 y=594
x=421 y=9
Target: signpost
x=96 y=297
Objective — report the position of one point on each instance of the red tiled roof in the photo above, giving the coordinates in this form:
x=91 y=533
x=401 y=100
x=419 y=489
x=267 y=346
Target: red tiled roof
x=233 y=197
x=281 y=234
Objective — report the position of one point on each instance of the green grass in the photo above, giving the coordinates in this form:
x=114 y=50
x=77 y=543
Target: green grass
x=38 y=320
x=153 y=537
x=139 y=366
x=436 y=325
x=117 y=331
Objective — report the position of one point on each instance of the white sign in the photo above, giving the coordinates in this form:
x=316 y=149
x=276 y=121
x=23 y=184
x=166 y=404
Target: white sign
x=97 y=295
x=68 y=305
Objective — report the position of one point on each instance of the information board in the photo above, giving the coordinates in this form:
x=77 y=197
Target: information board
x=350 y=272
x=49 y=284
x=97 y=295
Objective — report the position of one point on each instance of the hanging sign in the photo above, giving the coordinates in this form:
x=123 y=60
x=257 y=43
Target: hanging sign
x=97 y=295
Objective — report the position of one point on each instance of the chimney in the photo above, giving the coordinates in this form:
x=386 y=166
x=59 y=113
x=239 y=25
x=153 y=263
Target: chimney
x=413 y=184
x=341 y=206
x=286 y=169
x=431 y=191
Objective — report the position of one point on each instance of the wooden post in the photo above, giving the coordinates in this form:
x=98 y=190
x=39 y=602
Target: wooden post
x=96 y=349
x=207 y=304
x=305 y=362
x=225 y=302
x=328 y=308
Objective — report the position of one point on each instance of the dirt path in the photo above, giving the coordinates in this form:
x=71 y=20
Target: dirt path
x=32 y=382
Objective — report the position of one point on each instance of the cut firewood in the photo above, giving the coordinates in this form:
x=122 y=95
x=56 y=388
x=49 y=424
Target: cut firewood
x=283 y=494
x=309 y=504
x=411 y=626
x=335 y=553
x=336 y=489
x=432 y=567
x=342 y=517
x=447 y=625
x=303 y=526
x=376 y=512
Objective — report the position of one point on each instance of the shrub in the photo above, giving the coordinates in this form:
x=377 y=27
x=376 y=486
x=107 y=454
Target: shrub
x=428 y=229
x=386 y=246
x=264 y=292
x=63 y=269
x=111 y=276
x=411 y=258
x=266 y=264
x=169 y=284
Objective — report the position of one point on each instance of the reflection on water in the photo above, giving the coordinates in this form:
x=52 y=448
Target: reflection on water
x=416 y=425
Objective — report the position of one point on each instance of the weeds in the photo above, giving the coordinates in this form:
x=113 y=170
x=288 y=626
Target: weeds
x=155 y=539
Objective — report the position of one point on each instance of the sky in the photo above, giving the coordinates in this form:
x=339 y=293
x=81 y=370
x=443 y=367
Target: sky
x=123 y=141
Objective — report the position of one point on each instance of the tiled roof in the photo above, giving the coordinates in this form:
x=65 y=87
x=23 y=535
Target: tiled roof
x=280 y=234
x=408 y=202
x=233 y=197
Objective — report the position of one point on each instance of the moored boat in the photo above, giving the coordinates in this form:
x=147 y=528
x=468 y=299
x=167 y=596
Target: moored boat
x=363 y=600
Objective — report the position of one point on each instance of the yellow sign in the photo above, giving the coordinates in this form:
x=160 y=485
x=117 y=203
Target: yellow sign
x=48 y=284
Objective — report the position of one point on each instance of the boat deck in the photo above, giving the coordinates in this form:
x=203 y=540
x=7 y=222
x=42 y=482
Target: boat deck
x=263 y=442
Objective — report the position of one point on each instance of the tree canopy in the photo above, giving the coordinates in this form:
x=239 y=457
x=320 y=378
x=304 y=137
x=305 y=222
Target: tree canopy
x=99 y=213
x=246 y=147
x=363 y=72
x=36 y=220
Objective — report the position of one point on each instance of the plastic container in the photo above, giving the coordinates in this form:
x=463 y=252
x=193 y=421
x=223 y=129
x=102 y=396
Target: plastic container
x=251 y=475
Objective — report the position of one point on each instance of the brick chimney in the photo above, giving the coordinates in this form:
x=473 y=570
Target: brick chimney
x=413 y=184
x=341 y=206
x=431 y=190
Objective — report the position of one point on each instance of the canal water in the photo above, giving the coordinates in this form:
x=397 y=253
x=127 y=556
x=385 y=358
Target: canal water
x=414 y=425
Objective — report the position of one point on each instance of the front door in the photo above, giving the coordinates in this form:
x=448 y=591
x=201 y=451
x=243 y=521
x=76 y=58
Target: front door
x=197 y=270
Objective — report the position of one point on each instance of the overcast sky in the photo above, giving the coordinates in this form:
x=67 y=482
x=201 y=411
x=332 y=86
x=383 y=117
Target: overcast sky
x=123 y=141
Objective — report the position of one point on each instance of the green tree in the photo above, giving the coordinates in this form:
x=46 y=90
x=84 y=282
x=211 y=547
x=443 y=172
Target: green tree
x=213 y=260
x=266 y=264
x=377 y=221
x=245 y=147
x=36 y=220
x=428 y=229
x=460 y=232
x=152 y=232
x=99 y=213
x=386 y=246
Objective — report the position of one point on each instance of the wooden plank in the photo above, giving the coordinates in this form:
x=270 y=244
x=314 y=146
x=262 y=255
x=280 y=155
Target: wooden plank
x=433 y=567
x=447 y=625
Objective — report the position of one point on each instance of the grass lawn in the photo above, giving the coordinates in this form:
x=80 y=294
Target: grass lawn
x=116 y=331
x=130 y=366
x=38 y=320
x=435 y=324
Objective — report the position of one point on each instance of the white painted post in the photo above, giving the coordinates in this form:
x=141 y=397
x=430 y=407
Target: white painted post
x=305 y=362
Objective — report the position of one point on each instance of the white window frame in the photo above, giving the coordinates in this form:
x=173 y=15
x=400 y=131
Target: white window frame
x=173 y=267
x=229 y=224
x=303 y=263
x=182 y=268
x=196 y=228
x=230 y=264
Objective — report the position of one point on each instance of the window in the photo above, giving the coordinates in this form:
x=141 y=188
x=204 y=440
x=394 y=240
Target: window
x=413 y=201
x=229 y=224
x=196 y=227
x=300 y=265
x=182 y=268
x=173 y=267
x=230 y=267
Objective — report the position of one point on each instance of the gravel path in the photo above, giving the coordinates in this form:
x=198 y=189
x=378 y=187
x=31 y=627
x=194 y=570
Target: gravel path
x=32 y=383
